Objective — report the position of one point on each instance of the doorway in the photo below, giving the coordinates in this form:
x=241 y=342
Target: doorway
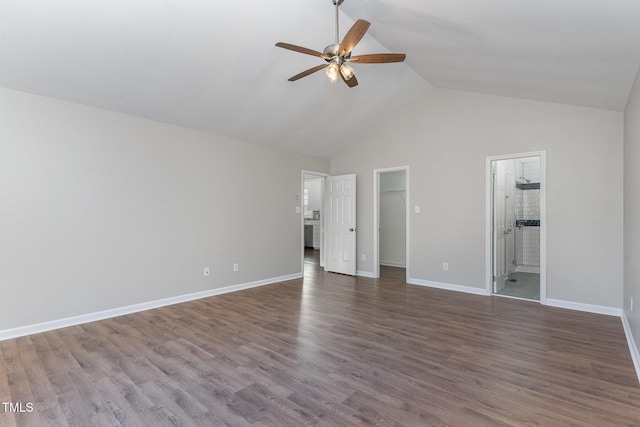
x=391 y=222
x=333 y=236
x=312 y=245
x=516 y=226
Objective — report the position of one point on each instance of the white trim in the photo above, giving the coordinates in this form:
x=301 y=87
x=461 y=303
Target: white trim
x=633 y=348
x=376 y=218
x=448 y=286
x=363 y=273
x=114 y=312
x=488 y=240
x=589 y=308
x=543 y=219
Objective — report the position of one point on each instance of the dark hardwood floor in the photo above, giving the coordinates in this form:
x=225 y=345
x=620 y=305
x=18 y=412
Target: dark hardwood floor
x=329 y=350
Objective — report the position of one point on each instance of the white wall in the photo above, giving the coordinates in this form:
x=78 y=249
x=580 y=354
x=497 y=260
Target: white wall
x=101 y=210
x=445 y=138
x=632 y=211
x=314 y=190
x=393 y=218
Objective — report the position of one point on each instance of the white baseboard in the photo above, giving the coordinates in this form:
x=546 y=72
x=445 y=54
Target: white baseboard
x=393 y=264
x=633 y=348
x=448 y=286
x=106 y=314
x=597 y=309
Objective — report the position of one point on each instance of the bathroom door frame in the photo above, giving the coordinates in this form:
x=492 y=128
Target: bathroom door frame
x=543 y=219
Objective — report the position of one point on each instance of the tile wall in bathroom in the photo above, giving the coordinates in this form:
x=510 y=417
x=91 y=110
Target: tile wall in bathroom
x=527 y=239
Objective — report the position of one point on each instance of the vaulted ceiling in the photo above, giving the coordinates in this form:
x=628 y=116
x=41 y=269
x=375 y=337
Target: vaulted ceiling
x=213 y=65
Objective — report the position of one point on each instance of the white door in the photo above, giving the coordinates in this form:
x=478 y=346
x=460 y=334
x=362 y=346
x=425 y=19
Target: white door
x=340 y=224
x=499 y=227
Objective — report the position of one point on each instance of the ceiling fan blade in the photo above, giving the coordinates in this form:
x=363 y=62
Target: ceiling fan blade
x=378 y=58
x=353 y=36
x=351 y=82
x=307 y=72
x=302 y=50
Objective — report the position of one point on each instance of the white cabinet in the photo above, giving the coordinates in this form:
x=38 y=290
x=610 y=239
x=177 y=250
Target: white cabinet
x=316 y=237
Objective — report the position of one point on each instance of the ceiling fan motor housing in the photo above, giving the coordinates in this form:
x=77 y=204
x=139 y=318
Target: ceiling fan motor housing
x=332 y=51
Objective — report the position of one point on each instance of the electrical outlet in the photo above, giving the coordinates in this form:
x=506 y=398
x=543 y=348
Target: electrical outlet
x=206 y=271
x=364 y=258
x=445 y=266
x=236 y=267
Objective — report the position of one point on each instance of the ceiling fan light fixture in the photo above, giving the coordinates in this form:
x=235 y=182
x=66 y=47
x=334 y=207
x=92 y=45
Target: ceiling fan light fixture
x=339 y=53
x=346 y=71
x=332 y=72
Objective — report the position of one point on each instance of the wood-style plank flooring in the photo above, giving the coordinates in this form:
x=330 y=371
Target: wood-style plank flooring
x=329 y=350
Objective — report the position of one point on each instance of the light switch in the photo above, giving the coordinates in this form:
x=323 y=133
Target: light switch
x=417 y=209
x=297 y=209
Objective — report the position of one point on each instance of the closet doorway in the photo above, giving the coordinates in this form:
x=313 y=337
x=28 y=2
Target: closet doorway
x=391 y=222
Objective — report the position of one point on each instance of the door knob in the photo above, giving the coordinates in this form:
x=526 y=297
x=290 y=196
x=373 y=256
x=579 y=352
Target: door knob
x=351 y=229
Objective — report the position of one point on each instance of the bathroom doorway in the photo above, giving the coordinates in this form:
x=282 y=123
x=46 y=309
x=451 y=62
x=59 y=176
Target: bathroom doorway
x=516 y=226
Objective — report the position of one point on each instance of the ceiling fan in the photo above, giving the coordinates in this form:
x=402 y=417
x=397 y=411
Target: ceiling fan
x=338 y=55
